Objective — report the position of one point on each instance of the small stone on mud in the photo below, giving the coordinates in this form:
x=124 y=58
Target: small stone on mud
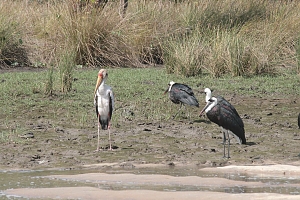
x=246 y=116
x=59 y=130
x=27 y=135
x=269 y=114
x=113 y=147
x=43 y=161
x=147 y=129
x=35 y=157
x=127 y=165
x=257 y=120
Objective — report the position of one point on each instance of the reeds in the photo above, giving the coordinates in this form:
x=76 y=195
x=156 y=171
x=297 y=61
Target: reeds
x=188 y=37
x=66 y=67
x=49 y=86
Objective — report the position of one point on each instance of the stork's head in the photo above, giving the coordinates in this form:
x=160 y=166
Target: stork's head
x=169 y=87
x=102 y=76
x=209 y=105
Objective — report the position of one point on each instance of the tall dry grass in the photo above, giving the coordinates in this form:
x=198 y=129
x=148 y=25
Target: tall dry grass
x=189 y=37
x=12 y=52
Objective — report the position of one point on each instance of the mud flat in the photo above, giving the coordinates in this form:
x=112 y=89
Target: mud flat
x=229 y=182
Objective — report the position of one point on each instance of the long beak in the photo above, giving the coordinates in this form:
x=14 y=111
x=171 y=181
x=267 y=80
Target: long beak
x=202 y=111
x=166 y=91
x=99 y=80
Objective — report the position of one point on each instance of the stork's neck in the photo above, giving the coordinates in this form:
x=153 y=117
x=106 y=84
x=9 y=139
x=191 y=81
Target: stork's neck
x=210 y=104
x=171 y=85
x=208 y=96
x=101 y=86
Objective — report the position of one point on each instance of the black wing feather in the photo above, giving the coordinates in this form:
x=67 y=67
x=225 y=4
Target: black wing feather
x=104 y=121
x=110 y=107
x=96 y=105
x=299 y=120
x=228 y=120
x=184 y=88
x=181 y=93
x=225 y=104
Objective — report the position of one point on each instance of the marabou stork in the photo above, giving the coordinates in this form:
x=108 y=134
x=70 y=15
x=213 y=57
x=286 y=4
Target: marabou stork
x=181 y=94
x=222 y=113
x=104 y=103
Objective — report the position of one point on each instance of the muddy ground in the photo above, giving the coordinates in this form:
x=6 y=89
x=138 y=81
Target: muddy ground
x=271 y=130
x=188 y=142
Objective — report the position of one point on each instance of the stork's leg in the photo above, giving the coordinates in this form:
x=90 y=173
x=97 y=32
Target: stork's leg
x=224 y=136
x=224 y=142
x=109 y=140
x=108 y=128
x=228 y=144
x=178 y=111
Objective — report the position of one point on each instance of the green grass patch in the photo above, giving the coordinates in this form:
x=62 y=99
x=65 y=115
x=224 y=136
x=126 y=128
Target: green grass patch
x=138 y=92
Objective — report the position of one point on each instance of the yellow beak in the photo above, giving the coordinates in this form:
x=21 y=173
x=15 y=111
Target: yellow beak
x=99 y=80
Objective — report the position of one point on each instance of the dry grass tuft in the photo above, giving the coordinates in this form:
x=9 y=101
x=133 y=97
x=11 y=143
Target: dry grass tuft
x=188 y=37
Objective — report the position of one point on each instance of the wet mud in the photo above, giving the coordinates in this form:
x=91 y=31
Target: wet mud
x=271 y=131
x=109 y=181
x=186 y=142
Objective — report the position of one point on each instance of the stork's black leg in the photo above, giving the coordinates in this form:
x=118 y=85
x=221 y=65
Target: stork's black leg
x=228 y=144
x=224 y=142
x=224 y=136
x=178 y=111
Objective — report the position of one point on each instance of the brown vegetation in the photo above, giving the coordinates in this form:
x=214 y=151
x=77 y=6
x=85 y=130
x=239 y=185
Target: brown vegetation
x=188 y=37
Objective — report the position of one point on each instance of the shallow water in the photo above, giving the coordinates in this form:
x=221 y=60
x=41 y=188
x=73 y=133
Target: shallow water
x=40 y=179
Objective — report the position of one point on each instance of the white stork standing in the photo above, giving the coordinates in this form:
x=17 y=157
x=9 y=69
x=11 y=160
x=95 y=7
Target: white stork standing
x=221 y=112
x=104 y=103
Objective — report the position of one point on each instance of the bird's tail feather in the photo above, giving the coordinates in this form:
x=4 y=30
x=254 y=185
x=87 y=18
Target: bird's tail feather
x=104 y=123
x=193 y=101
x=238 y=139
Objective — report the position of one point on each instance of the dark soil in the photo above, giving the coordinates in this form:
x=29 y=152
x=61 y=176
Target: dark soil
x=271 y=131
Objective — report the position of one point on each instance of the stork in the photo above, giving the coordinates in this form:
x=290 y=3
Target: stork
x=222 y=101
x=104 y=103
x=222 y=113
x=181 y=94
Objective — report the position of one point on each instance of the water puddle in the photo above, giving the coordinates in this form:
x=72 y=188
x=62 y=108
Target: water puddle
x=164 y=179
